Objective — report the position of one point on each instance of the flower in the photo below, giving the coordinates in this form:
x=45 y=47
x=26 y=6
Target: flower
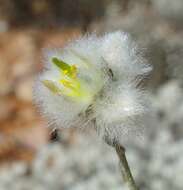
x=93 y=82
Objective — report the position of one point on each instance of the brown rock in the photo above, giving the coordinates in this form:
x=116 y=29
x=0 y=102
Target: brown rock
x=23 y=89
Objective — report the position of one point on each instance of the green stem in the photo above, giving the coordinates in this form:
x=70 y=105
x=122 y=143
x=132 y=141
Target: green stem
x=125 y=169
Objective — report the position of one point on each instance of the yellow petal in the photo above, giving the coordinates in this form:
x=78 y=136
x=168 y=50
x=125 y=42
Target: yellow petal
x=51 y=86
x=69 y=70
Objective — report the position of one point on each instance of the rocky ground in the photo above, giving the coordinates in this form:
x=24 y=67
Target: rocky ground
x=78 y=160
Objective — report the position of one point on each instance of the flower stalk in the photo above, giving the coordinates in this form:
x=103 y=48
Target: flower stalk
x=125 y=169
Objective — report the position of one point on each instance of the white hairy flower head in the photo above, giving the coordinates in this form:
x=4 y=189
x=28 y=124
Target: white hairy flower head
x=93 y=82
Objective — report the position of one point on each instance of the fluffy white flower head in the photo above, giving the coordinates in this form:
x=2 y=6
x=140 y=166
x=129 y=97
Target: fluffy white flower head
x=93 y=82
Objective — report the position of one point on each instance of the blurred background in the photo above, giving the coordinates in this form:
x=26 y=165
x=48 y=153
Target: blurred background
x=34 y=158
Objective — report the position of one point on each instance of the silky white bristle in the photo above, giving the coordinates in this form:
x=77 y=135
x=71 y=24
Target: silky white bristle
x=107 y=69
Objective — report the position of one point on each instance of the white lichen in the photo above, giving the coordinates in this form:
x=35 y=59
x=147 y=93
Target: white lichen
x=93 y=82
